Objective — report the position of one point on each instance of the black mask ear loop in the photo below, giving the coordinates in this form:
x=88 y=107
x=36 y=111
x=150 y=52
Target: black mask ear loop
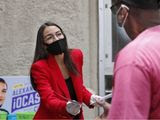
x=124 y=20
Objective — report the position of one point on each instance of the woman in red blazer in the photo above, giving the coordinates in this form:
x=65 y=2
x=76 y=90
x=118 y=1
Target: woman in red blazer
x=56 y=74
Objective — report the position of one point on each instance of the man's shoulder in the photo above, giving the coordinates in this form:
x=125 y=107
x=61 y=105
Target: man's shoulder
x=150 y=33
x=154 y=28
x=143 y=42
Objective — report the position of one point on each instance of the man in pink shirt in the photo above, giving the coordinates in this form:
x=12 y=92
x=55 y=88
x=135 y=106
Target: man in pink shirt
x=136 y=88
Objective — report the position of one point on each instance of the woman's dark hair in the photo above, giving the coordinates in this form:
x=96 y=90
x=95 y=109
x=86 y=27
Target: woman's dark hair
x=3 y=81
x=42 y=53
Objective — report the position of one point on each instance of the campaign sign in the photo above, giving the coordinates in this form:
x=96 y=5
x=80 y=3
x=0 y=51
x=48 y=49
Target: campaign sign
x=20 y=96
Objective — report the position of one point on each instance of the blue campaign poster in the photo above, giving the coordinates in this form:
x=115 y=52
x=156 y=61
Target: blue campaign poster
x=20 y=96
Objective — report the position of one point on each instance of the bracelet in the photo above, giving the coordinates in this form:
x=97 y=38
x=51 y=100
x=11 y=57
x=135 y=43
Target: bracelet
x=73 y=107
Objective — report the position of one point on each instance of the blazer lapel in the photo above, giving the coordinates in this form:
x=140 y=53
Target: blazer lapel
x=57 y=75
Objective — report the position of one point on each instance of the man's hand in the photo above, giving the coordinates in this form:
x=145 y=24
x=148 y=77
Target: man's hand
x=106 y=106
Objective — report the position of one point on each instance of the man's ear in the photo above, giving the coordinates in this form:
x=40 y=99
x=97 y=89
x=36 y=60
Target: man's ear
x=122 y=15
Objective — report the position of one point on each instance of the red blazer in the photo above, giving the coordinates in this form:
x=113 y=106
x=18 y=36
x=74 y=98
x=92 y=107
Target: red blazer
x=53 y=90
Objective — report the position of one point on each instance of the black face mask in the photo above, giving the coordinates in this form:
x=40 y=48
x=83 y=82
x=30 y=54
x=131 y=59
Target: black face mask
x=57 y=47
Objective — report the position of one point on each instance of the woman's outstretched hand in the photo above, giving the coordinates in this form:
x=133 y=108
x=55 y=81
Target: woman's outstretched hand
x=97 y=100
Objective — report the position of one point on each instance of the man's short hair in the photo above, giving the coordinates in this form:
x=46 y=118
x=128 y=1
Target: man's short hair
x=143 y=4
